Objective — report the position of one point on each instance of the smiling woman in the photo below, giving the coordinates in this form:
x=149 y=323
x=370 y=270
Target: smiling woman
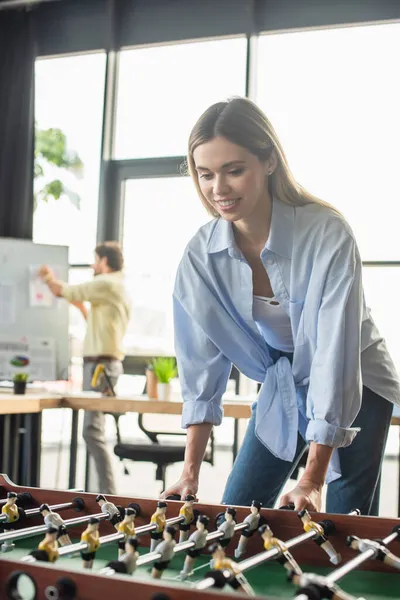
x=311 y=342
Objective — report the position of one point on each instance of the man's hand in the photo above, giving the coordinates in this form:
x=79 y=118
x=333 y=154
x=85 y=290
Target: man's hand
x=306 y=494
x=184 y=485
x=45 y=273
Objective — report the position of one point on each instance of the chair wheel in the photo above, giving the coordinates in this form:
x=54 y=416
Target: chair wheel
x=136 y=507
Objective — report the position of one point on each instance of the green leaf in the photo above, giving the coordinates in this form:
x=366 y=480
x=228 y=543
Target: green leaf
x=165 y=369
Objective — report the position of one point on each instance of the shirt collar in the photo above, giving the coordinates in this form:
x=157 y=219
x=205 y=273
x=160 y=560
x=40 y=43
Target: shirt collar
x=280 y=238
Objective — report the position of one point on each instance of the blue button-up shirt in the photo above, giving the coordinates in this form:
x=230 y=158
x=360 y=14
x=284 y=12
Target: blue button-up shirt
x=315 y=271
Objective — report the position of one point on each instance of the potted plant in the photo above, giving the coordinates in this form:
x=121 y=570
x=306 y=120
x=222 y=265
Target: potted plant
x=19 y=381
x=165 y=370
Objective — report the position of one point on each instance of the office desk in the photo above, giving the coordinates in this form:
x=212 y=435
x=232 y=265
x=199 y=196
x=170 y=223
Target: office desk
x=140 y=404
x=20 y=434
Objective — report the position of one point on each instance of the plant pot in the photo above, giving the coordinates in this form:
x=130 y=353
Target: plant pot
x=19 y=387
x=151 y=385
x=164 y=391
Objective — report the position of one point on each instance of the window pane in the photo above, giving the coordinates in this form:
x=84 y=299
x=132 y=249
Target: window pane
x=77 y=324
x=172 y=213
x=333 y=96
x=382 y=285
x=69 y=97
x=163 y=90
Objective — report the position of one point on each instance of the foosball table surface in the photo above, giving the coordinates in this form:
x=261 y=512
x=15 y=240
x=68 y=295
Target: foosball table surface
x=374 y=581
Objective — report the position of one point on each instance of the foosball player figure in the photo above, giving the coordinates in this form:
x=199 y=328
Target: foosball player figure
x=53 y=519
x=320 y=539
x=159 y=520
x=253 y=520
x=188 y=513
x=90 y=537
x=285 y=559
x=380 y=551
x=47 y=550
x=231 y=570
x=127 y=527
x=199 y=537
x=126 y=563
x=166 y=549
x=11 y=512
x=227 y=527
x=109 y=509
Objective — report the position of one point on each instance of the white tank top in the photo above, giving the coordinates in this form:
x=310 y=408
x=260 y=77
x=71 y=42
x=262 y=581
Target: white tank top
x=273 y=323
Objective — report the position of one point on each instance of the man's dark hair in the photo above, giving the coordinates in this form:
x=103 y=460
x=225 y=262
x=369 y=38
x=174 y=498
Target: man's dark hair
x=113 y=253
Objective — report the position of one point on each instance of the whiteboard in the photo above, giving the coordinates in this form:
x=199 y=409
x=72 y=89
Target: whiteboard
x=23 y=320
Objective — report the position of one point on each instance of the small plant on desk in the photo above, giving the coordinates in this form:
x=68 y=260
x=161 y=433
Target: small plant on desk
x=165 y=370
x=20 y=380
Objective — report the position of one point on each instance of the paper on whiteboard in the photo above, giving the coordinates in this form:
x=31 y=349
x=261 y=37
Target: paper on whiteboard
x=39 y=293
x=7 y=304
x=34 y=356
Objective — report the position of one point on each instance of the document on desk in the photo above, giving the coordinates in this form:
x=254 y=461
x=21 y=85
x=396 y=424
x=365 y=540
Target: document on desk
x=7 y=303
x=34 y=356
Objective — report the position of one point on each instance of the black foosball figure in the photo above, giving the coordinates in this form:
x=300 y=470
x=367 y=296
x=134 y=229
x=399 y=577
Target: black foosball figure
x=230 y=569
x=227 y=527
x=166 y=549
x=109 y=509
x=126 y=563
x=253 y=520
x=199 y=538
x=53 y=519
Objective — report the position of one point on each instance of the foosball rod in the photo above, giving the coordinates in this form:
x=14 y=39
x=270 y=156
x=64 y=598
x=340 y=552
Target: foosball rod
x=77 y=503
x=360 y=559
x=28 y=532
x=214 y=535
x=258 y=559
x=108 y=539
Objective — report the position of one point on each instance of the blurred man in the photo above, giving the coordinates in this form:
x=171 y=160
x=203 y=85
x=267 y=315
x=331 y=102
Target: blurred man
x=107 y=322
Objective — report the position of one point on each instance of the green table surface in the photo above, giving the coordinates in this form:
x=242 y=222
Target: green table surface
x=268 y=580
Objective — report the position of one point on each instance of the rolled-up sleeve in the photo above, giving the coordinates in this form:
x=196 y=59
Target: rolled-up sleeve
x=203 y=370
x=335 y=387
x=95 y=291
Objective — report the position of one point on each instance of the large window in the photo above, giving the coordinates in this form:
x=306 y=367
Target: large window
x=161 y=215
x=163 y=90
x=69 y=109
x=333 y=96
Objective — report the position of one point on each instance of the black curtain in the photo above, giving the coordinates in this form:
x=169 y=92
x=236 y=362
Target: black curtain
x=17 y=78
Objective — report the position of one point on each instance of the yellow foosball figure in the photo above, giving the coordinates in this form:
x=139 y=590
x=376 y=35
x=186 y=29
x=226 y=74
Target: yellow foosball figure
x=285 y=559
x=90 y=537
x=159 y=520
x=231 y=570
x=11 y=512
x=127 y=527
x=47 y=550
x=187 y=512
x=320 y=538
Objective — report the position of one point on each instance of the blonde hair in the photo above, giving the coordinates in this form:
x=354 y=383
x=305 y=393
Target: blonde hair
x=241 y=122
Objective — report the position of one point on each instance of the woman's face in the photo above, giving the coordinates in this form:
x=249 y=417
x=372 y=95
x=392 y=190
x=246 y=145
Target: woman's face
x=232 y=179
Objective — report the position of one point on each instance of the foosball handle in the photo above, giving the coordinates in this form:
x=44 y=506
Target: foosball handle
x=289 y=506
x=173 y=497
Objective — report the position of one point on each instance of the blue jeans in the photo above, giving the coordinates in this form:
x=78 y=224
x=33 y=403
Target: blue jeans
x=258 y=475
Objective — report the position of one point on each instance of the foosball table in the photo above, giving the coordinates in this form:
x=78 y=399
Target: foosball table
x=65 y=545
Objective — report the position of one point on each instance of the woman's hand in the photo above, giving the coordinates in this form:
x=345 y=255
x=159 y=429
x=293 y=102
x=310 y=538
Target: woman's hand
x=306 y=494
x=184 y=486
